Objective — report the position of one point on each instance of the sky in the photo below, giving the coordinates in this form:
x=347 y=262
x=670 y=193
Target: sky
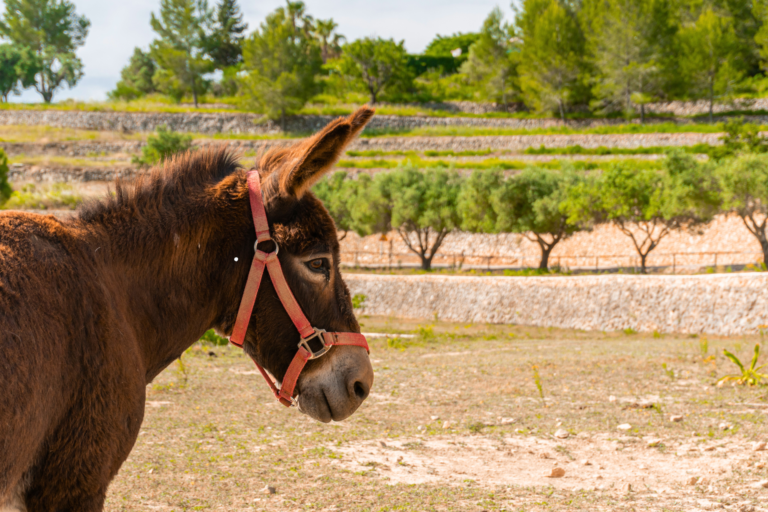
x=118 y=26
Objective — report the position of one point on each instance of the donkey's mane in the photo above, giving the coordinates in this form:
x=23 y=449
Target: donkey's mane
x=180 y=178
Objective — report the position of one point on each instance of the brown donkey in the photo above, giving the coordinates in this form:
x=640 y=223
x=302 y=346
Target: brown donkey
x=93 y=309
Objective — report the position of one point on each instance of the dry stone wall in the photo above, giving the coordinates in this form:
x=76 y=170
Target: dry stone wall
x=720 y=304
x=215 y=123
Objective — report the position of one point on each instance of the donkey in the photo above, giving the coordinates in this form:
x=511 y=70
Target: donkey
x=92 y=309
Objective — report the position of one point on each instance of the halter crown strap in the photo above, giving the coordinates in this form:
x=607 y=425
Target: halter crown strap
x=262 y=260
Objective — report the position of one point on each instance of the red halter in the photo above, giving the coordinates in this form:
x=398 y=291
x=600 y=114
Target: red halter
x=314 y=342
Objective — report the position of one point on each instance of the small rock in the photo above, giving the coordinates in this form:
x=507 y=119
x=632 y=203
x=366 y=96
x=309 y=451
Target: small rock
x=642 y=466
x=626 y=487
x=420 y=428
x=269 y=490
x=434 y=418
x=692 y=480
x=446 y=424
x=611 y=398
x=759 y=465
x=762 y=484
x=507 y=421
x=624 y=426
x=676 y=418
x=586 y=462
x=725 y=426
x=759 y=446
x=562 y=434
x=653 y=443
x=556 y=473
x=382 y=444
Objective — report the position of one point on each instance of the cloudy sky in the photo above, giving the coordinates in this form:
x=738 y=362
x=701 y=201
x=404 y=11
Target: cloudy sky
x=118 y=26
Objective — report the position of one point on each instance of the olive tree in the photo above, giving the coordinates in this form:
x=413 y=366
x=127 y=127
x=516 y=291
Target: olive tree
x=744 y=189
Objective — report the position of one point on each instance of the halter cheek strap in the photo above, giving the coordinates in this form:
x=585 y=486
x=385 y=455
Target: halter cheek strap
x=314 y=342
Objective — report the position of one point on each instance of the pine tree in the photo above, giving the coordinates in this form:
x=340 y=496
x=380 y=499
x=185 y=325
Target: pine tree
x=552 y=54
x=136 y=77
x=180 y=51
x=224 y=43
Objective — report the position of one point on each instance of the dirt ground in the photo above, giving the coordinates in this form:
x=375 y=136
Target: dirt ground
x=455 y=421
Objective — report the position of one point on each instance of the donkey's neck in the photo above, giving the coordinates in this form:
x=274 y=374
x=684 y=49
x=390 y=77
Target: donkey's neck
x=179 y=269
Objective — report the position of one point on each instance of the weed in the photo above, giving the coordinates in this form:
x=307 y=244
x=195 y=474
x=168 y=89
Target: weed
x=629 y=331
x=210 y=337
x=750 y=375
x=656 y=334
x=32 y=197
x=669 y=371
x=537 y=381
x=166 y=144
x=426 y=332
x=704 y=347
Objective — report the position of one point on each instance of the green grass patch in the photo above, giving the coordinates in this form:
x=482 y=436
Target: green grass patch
x=58 y=196
x=490 y=163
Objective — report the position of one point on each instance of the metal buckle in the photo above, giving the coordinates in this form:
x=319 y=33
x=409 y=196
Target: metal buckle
x=256 y=246
x=304 y=343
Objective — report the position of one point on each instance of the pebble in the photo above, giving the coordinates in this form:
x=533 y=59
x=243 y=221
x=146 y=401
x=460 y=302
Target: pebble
x=586 y=462
x=507 y=421
x=760 y=446
x=382 y=444
x=446 y=424
x=269 y=490
x=725 y=426
x=624 y=426
x=562 y=434
x=611 y=398
x=653 y=443
x=434 y=418
x=676 y=418
x=762 y=484
x=626 y=487
x=556 y=473
x=693 y=480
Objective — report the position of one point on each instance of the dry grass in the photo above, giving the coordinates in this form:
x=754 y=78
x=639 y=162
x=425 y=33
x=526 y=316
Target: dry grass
x=214 y=437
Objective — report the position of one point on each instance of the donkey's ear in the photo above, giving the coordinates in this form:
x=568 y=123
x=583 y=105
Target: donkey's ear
x=315 y=157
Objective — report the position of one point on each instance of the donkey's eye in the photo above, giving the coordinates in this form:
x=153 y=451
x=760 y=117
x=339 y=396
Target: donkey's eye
x=320 y=265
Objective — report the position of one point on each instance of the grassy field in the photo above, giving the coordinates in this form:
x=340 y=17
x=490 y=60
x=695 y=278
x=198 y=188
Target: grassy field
x=463 y=417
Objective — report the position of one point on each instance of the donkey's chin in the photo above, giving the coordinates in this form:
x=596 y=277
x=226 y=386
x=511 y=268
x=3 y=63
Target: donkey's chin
x=335 y=388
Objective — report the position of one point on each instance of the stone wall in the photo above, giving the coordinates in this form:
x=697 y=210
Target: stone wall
x=214 y=123
x=723 y=304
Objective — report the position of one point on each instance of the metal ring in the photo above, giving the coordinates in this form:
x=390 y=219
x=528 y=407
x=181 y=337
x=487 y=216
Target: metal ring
x=256 y=246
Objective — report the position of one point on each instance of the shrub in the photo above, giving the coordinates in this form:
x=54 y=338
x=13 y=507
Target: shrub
x=5 y=187
x=166 y=144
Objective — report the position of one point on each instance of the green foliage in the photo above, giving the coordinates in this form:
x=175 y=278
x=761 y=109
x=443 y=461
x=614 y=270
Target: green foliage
x=744 y=188
x=136 y=77
x=442 y=46
x=552 y=56
x=50 y=31
x=57 y=196
x=532 y=203
x=709 y=56
x=210 y=337
x=475 y=206
x=281 y=60
x=180 y=49
x=491 y=66
x=538 y=383
x=17 y=68
x=378 y=66
x=750 y=375
x=164 y=145
x=224 y=42
x=358 y=301
x=5 y=187
x=740 y=137
x=329 y=40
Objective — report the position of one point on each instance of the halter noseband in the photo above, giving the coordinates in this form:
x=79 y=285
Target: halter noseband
x=314 y=342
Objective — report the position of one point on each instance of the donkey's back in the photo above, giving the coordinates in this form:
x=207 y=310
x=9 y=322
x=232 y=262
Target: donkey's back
x=56 y=321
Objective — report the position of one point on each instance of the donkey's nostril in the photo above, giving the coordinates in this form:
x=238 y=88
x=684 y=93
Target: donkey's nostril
x=361 y=390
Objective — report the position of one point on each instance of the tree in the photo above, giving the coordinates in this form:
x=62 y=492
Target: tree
x=474 y=203
x=644 y=204
x=419 y=205
x=51 y=31
x=626 y=55
x=281 y=61
x=329 y=39
x=378 y=65
x=744 y=184
x=224 y=43
x=136 y=77
x=180 y=50
x=552 y=53
x=491 y=66
x=443 y=46
x=17 y=67
x=709 y=56
x=338 y=194
x=531 y=203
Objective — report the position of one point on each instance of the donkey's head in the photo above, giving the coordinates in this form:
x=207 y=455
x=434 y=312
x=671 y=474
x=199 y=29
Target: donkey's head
x=331 y=387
